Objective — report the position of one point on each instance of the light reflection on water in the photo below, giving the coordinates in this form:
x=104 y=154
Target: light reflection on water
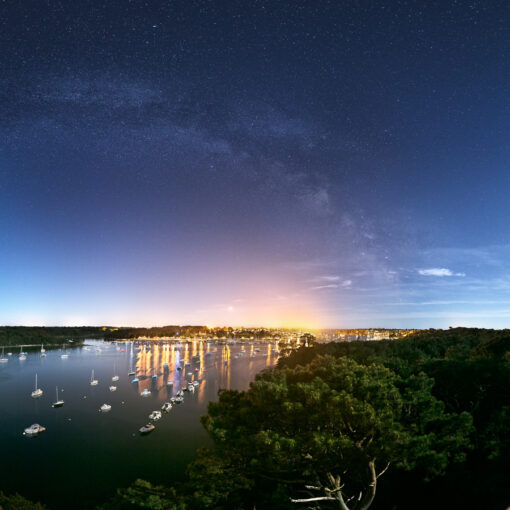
x=85 y=455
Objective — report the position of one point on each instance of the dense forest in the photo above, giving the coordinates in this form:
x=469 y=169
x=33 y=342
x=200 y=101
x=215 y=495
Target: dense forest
x=420 y=423
x=30 y=335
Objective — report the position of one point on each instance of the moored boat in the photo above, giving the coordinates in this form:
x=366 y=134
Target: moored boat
x=155 y=415
x=147 y=428
x=37 y=393
x=57 y=403
x=34 y=430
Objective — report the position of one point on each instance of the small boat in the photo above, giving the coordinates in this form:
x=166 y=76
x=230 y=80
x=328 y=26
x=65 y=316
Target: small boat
x=43 y=351
x=166 y=407
x=34 y=429
x=113 y=388
x=179 y=368
x=170 y=383
x=178 y=400
x=147 y=428
x=165 y=365
x=37 y=393
x=195 y=383
x=22 y=356
x=105 y=408
x=64 y=356
x=191 y=388
x=145 y=393
x=3 y=359
x=135 y=380
x=115 y=376
x=57 y=403
x=93 y=382
x=154 y=376
x=131 y=373
x=155 y=415
x=180 y=394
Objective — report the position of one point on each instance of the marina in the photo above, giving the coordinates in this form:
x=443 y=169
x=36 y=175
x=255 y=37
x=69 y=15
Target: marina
x=107 y=430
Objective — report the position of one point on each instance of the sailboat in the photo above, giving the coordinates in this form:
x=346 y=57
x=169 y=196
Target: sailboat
x=22 y=356
x=43 y=351
x=3 y=359
x=64 y=356
x=93 y=382
x=58 y=403
x=37 y=391
x=115 y=376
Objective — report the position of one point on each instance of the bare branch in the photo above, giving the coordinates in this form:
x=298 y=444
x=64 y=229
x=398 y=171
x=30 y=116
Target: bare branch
x=320 y=498
x=384 y=470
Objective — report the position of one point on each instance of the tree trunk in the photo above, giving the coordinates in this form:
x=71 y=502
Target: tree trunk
x=369 y=496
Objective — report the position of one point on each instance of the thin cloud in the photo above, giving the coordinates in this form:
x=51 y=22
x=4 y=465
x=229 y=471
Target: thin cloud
x=439 y=271
x=320 y=287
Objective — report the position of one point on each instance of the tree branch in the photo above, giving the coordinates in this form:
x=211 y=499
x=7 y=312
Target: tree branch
x=320 y=498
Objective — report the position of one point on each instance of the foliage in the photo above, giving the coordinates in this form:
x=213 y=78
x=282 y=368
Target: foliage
x=334 y=419
x=29 y=335
x=141 y=494
x=17 y=502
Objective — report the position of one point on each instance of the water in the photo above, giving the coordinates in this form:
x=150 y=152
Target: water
x=85 y=455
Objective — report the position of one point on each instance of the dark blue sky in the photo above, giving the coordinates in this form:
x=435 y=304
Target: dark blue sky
x=323 y=163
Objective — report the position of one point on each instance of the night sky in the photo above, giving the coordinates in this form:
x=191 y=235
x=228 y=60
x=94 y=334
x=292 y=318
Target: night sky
x=281 y=163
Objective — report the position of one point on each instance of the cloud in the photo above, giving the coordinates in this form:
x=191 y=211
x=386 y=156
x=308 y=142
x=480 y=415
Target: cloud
x=327 y=278
x=439 y=271
x=346 y=284
x=329 y=286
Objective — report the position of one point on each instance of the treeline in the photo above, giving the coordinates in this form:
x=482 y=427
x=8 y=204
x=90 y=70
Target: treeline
x=186 y=332
x=161 y=331
x=27 y=335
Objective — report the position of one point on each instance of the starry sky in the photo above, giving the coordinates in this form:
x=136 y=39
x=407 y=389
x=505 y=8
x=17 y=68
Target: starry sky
x=310 y=163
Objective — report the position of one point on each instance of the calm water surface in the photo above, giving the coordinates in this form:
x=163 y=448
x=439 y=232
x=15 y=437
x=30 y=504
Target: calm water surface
x=84 y=455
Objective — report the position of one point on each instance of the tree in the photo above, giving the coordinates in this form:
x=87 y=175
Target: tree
x=17 y=502
x=328 y=431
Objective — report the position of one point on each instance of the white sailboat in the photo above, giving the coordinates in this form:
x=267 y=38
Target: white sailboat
x=93 y=382
x=3 y=359
x=22 y=356
x=43 y=351
x=115 y=376
x=37 y=391
x=65 y=355
x=58 y=403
